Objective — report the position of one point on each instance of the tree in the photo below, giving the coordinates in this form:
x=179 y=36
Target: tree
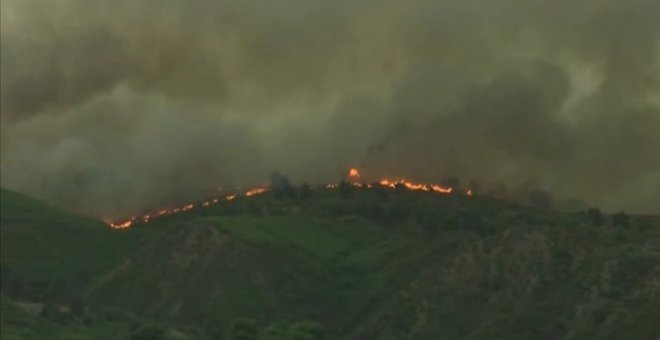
x=595 y=216
x=305 y=191
x=474 y=187
x=621 y=220
x=243 y=329
x=280 y=185
x=275 y=331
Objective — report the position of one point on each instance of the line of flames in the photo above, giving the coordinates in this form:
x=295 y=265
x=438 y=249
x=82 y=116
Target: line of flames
x=353 y=179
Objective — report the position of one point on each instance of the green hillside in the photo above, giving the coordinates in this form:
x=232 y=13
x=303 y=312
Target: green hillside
x=48 y=253
x=364 y=264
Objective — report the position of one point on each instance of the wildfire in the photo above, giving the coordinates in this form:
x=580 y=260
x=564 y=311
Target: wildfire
x=416 y=186
x=186 y=207
x=255 y=191
x=122 y=225
x=353 y=176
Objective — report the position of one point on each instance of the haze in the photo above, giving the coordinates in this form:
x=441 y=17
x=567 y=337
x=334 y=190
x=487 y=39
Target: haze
x=111 y=107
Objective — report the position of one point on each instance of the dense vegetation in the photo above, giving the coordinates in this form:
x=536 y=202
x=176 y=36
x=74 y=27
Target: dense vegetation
x=332 y=264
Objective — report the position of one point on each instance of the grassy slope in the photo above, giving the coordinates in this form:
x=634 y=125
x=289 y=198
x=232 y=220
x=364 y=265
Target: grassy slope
x=405 y=266
x=18 y=324
x=49 y=253
x=49 y=257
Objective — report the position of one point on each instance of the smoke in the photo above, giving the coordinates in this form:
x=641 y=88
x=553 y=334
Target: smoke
x=110 y=107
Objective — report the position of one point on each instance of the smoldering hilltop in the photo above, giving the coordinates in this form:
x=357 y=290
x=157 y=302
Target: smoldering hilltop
x=115 y=106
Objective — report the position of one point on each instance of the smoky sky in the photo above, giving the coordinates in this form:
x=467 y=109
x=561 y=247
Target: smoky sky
x=111 y=107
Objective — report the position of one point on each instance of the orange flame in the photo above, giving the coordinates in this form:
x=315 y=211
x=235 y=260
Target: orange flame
x=353 y=174
x=416 y=186
x=255 y=191
x=122 y=225
x=387 y=183
x=186 y=207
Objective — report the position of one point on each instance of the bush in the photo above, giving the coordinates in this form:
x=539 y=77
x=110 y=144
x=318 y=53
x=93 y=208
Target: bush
x=243 y=329
x=280 y=185
x=275 y=331
x=595 y=216
x=305 y=191
x=621 y=220
x=474 y=187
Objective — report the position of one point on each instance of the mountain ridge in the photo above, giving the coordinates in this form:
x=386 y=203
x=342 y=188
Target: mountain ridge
x=364 y=265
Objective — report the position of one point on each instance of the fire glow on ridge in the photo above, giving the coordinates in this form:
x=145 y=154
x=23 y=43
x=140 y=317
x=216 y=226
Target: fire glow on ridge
x=353 y=177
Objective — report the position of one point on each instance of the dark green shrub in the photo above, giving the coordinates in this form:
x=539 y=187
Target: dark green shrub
x=621 y=220
x=280 y=186
x=595 y=216
x=305 y=191
x=243 y=329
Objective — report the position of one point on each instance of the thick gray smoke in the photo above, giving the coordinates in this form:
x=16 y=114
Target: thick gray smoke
x=111 y=107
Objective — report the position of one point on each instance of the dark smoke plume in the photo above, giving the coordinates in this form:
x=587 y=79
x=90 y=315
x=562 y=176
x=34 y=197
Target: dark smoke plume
x=110 y=107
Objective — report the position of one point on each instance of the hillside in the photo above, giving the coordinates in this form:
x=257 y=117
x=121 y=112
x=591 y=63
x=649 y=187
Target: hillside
x=48 y=253
x=365 y=264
